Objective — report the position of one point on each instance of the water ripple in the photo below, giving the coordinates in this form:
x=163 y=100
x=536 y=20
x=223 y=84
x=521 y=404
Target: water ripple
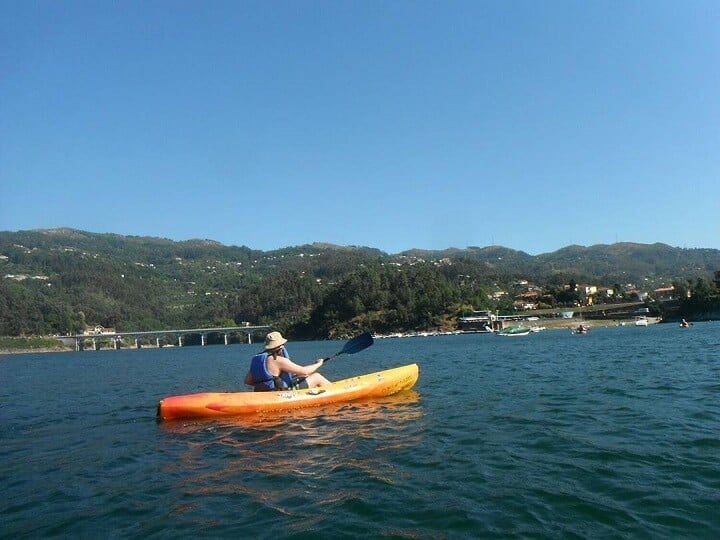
x=614 y=435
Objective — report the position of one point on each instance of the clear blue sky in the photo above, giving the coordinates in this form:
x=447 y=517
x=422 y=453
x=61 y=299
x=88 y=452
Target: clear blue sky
x=405 y=124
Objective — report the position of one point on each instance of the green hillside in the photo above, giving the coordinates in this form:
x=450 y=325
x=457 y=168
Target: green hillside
x=57 y=281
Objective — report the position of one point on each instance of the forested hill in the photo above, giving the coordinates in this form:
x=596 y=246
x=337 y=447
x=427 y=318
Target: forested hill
x=607 y=263
x=56 y=281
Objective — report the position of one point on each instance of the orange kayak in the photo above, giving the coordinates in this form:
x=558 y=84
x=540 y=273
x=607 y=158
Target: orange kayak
x=219 y=404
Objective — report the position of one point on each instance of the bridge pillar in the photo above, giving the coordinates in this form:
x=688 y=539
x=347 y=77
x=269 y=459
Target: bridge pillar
x=225 y=338
x=179 y=340
x=202 y=340
x=157 y=342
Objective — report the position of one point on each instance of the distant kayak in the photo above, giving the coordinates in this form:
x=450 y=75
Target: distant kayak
x=221 y=404
x=581 y=329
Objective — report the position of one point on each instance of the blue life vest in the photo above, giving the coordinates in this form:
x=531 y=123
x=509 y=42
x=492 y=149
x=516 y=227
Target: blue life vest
x=263 y=380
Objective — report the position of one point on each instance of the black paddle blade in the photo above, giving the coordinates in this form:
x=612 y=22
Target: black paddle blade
x=358 y=343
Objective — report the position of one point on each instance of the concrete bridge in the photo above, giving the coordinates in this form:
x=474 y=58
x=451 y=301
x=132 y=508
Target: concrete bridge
x=116 y=337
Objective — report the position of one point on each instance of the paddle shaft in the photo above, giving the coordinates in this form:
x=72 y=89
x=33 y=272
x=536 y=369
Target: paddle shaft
x=332 y=356
x=356 y=344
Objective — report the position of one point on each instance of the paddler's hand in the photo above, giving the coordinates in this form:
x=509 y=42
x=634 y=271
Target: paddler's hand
x=319 y=362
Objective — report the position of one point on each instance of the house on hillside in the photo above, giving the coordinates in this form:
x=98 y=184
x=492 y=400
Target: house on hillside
x=97 y=330
x=587 y=290
x=636 y=294
x=526 y=301
x=607 y=292
x=665 y=294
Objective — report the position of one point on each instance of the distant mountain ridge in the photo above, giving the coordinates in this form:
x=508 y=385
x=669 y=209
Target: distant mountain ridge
x=606 y=262
x=60 y=280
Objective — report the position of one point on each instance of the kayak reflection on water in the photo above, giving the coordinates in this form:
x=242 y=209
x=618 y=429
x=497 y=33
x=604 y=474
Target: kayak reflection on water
x=274 y=459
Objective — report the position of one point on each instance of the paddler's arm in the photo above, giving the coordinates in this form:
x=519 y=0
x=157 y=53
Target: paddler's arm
x=288 y=366
x=248 y=379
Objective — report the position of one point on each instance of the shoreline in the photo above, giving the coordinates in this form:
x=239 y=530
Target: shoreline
x=552 y=324
x=38 y=350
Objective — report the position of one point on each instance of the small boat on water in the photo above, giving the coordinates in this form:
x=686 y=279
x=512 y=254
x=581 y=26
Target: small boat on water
x=641 y=320
x=581 y=329
x=518 y=330
x=222 y=404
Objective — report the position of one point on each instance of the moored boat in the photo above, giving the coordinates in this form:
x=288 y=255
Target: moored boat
x=518 y=330
x=221 y=404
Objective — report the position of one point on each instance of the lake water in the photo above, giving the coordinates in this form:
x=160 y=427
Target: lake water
x=614 y=434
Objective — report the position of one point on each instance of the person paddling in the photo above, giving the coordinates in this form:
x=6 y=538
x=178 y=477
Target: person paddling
x=272 y=369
